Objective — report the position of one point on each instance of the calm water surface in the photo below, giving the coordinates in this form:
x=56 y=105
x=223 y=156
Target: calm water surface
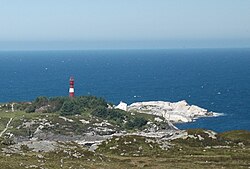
x=215 y=79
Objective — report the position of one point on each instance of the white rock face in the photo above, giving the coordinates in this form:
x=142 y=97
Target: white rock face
x=122 y=106
x=66 y=119
x=175 y=112
x=158 y=119
x=84 y=121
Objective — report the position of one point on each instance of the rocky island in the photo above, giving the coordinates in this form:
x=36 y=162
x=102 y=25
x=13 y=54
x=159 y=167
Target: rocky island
x=173 y=112
x=88 y=132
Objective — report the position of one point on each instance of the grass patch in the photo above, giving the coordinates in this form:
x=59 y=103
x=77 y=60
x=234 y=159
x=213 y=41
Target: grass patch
x=237 y=136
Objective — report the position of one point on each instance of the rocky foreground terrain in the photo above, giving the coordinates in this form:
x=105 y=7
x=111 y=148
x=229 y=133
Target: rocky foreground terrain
x=88 y=132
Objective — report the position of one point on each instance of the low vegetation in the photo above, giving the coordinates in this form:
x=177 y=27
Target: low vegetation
x=131 y=145
x=70 y=118
x=86 y=106
x=137 y=152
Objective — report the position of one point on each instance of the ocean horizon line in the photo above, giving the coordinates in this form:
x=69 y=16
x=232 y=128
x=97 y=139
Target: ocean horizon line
x=124 y=49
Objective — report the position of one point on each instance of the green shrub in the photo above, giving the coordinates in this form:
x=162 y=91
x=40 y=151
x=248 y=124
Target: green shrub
x=137 y=122
x=70 y=107
x=114 y=115
x=41 y=101
x=30 y=109
x=7 y=141
x=65 y=105
x=237 y=136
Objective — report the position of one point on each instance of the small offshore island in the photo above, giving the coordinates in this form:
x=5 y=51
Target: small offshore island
x=88 y=132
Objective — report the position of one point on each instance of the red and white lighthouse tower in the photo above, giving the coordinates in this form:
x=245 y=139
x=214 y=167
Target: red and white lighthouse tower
x=71 y=87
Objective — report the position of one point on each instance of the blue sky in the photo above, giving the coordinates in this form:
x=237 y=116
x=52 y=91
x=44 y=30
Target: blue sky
x=87 y=24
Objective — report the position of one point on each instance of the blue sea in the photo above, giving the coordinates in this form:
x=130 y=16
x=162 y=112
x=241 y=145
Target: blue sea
x=215 y=79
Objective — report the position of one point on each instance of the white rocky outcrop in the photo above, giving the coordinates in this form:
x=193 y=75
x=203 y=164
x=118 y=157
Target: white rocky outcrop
x=66 y=119
x=175 y=112
x=84 y=121
x=122 y=106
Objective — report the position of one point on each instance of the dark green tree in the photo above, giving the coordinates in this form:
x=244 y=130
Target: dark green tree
x=70 y=107
x=41 y=101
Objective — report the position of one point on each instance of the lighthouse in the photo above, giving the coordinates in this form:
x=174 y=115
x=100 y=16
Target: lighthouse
x=71 y=87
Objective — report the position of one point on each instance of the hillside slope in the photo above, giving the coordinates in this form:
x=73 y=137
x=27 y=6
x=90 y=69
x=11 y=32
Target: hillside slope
x=87 y=132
